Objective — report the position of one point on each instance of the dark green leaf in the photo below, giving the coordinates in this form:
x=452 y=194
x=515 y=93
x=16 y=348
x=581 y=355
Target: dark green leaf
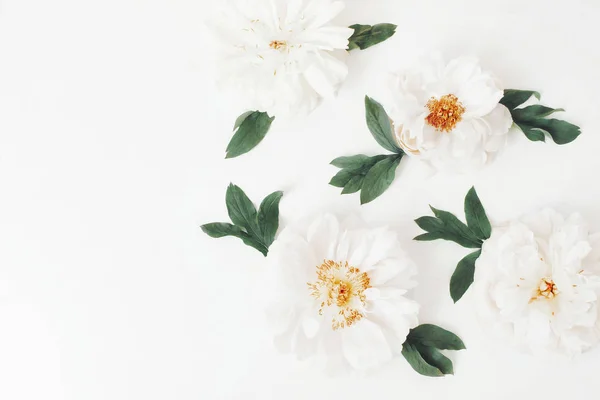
x=514 y=98
x=342 y=178
x=241 y=119
x=379 y=178
x=531 y=120
x=477 y=219
x=562 y=132
x=365 y=36
x=352 y=176
x=221 y=229
x=531 y=113
x=251 y=131
x=380 y=125
x=436 y=359
x=268 y=217
x=241 y=210
x=532 y=133
x=455 y=230
x=353 y=162
x=463 y=275
x=434 y=336
x=428 y=237
x=430 y=224
x=255 y=243
x=417 y=362
x=354 y=185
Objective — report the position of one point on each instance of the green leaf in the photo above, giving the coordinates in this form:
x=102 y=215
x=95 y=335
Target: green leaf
x=355 y=169
x=365 y=36
x=532 y=133
x=428 y=237
x=463 y=276
x=255 y=243
x=433 y=336
x=477 y=219
x=241 y=119
x=456 y=231
x=342 y=178
x=562 y=132
x=532 y=119
x=354 y=184
x=430 y=224
x=380 y=125
x=221 y=229
x=514 y=98
x=268 y=217
x=251 y=130
x=255 y=229
x=241 y=210
x=356 y=161
x=379 y=178
x=433 y=357
x=417 y=362
x=531 y=113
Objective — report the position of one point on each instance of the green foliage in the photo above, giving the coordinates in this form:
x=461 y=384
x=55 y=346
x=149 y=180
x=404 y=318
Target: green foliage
x=365 y=36
x=255 y=229
x=447 y=226
x=421 y=350
x=250 y=129
x=532 y=119
x=372 y=176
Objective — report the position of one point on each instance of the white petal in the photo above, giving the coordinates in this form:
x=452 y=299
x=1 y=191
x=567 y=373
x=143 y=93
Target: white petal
x=365 y=346
x=323 y=235
x=325 y=75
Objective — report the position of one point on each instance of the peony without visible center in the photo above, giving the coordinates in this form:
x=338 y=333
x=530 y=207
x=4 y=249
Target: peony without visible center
x=449 y=114
x=538 y=282
x=339 y=291
x=280 y=55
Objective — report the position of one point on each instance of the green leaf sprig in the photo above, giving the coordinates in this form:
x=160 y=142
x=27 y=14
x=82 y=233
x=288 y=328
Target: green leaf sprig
x=365 y=36
x=371 y=175
x=422 y=350
x=471 y=235
x=255 y=228
x=532 y=119
x=251 y=127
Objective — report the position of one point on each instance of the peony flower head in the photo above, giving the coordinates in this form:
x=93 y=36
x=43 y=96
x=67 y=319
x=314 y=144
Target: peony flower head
x=279 y=54
x=537 y=281
x=339 y=291
x=449 y=114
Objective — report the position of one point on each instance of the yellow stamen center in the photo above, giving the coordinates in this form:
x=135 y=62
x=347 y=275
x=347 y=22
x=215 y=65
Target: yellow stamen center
x=278 y=44
x=341 y=290
x=546 y=290
x=445 y=113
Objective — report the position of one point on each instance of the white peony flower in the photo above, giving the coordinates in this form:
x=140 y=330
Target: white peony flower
x=279 y=54
x=538 y=281
x=340 y=292
x=449 y=114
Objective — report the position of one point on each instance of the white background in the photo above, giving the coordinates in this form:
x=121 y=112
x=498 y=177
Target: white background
x=112 y=138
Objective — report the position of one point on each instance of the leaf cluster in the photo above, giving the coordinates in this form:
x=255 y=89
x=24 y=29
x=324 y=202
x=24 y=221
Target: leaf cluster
x=371 y=175
x=256 y=229
x=532 y=119
x=471 y=235
x=422 y=350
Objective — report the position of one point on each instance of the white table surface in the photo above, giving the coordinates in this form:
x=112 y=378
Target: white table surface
x=112 y=138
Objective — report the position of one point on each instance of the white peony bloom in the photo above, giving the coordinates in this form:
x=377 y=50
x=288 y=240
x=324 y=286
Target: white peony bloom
x=449 y=114
x=279 y=54
x=340 y=292
x=538 y=281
